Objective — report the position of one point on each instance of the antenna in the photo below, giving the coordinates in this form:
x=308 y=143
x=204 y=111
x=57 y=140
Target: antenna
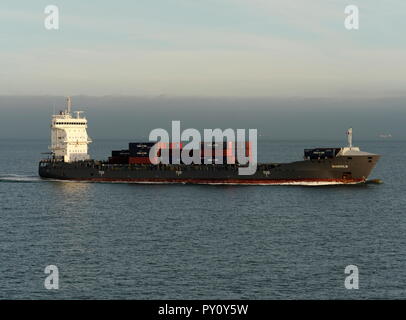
x=78 y=114
x=69 y=104
x=349 y=134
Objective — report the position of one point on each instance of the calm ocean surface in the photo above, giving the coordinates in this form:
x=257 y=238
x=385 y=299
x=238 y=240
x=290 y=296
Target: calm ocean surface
x=132 y=241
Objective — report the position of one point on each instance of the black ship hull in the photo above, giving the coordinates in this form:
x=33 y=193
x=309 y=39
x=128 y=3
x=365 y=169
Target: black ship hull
x=338 y=170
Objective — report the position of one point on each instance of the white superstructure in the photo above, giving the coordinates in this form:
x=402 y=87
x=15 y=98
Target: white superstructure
x=69 y=139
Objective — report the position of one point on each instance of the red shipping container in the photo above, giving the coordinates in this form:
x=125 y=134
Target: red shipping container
x=139 y=160
x=175 y=145
x=207 y=153
x=229 y=150
x=231 y=159
x=170 y=145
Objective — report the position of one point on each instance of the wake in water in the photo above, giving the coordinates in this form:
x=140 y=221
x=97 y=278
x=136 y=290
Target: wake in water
x=18 y=178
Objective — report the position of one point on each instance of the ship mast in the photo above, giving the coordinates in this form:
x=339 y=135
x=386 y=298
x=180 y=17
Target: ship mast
x=69 y=104
x=349 y=136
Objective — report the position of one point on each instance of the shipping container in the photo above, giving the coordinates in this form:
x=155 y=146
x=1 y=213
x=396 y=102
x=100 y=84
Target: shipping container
x=118 y=153
x=231 y=160
x=175 y=160
x=141 y=145
x=139 y=160
x=212 y=144
x=217 y=160
x=229 y=148
x=144 y=147
x=118 y=160
x=175 y=145
x=140 y=154
x=321 y=153
x=207 y=153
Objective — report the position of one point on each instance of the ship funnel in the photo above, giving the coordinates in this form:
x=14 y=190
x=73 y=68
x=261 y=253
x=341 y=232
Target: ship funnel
x=349 y=136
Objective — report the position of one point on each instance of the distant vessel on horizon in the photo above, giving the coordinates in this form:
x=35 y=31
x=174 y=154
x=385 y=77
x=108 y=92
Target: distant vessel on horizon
x=385 y=135
x=69 y=160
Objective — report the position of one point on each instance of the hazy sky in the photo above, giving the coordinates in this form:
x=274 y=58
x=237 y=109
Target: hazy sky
x=133 y=118
x=243 y=48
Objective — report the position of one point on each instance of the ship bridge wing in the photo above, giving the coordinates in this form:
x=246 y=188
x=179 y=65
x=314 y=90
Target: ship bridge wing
x=353 y=151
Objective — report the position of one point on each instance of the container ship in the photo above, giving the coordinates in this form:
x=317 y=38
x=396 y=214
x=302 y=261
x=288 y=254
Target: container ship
x=69 y=160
